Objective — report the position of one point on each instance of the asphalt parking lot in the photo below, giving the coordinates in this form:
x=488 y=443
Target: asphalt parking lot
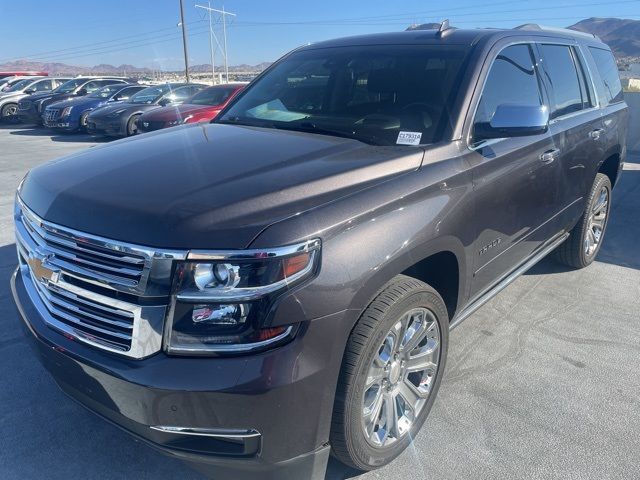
x=542 y=382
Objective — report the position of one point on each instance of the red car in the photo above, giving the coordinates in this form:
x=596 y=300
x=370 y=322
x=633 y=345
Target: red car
x=202 y=107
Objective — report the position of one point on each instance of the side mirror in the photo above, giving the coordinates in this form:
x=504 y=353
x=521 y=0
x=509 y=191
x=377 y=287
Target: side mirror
x=81 y=92
x=29 y=91
x=513 y=120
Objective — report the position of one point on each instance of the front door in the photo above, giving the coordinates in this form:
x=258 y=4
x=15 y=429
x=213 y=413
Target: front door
x=515 y=179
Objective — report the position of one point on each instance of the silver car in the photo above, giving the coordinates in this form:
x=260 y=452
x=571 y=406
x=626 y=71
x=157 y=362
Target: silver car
x=9 y=98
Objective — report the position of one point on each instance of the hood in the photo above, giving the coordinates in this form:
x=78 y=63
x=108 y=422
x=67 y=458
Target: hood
x=129 y=108
x=171 y=112
x=41 y=95
x=80 y=102
x=205 y=185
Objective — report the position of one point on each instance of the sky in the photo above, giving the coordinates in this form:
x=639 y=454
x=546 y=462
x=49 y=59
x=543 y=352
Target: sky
x=146 y=32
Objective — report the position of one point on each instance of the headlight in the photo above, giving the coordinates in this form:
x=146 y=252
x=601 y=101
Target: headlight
x=222 y=298
x=187 y=118
x=66 y=111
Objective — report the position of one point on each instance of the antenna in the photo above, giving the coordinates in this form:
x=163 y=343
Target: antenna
x=444 y=28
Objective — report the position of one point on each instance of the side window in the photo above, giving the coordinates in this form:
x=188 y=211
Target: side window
x=568 y=94
x=512 y=79
x=42 y=86
x=608 y=70
x=92 y=86
x=125 y=93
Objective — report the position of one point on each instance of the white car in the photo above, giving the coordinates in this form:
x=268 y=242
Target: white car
x=10 y=97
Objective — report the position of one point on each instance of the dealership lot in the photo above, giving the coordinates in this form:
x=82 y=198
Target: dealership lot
x=542 y=382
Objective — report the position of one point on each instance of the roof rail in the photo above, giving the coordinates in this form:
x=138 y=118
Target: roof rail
x=444 y=28
x=535 y=26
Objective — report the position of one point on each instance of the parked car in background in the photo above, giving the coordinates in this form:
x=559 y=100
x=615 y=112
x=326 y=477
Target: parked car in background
x=8 y=82
x=31 y=108
x=202 y=107
x=120 y=120
x=71 y=115
x=9 y=99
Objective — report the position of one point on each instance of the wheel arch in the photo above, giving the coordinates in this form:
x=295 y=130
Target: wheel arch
x=610 y=166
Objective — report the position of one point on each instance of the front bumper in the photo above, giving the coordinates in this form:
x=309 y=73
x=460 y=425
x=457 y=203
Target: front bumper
x=60 y=124
x=261 y=416
x=105 y=126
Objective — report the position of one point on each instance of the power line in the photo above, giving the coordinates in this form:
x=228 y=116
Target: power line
x=114 y=41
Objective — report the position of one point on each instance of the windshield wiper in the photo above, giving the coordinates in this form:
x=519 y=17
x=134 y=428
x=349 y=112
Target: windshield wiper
x=311 y=127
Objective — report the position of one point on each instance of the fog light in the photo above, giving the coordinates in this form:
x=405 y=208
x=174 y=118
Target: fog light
x=232 y=314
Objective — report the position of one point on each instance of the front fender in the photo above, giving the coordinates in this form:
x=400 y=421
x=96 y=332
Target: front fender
x=370 y=237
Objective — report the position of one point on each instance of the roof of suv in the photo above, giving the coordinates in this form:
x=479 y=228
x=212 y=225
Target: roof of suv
x=454 y=36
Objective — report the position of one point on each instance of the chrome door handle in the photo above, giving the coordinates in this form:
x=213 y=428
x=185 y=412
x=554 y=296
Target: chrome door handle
x=550 y=155
x=595 y=134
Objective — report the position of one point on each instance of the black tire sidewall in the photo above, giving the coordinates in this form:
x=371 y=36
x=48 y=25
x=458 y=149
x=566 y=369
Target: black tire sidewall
x=369 y=457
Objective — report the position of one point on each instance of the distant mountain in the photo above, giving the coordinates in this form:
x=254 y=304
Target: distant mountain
x=622 y=35
x=106 y=69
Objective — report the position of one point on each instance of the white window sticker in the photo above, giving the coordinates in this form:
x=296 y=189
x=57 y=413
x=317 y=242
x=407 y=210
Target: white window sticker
x=409 y=138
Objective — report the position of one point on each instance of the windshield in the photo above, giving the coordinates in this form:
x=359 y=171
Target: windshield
x=382 y=94
x=151 y=94
x=70 y=86
x=211 y=96
x=106 y=92
x=19 y=85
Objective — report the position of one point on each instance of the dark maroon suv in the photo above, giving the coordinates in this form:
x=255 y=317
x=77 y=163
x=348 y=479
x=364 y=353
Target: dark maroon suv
x=260 y=292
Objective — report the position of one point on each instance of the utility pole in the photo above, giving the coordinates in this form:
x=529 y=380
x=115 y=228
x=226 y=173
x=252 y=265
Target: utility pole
x=184 y=42
x=224 y=14
x=226 y=54
x=211 y=35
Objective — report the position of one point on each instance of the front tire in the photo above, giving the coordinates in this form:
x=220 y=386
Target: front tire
x=390 y=374
x=8 y=111
x=585 y=239
x=132 y=127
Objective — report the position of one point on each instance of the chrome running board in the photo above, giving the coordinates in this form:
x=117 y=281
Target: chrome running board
x=504 y=283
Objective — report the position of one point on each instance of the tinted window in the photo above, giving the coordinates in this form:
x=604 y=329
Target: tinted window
x=511 y=80
x=125 y=93
x=151 y=94
x=212 y=96
x=42 y=86
x=608 y=70
x=70 y=86
x=561 y=72
x=384 y=94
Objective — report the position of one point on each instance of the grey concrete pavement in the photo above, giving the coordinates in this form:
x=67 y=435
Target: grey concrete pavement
x=542 y=382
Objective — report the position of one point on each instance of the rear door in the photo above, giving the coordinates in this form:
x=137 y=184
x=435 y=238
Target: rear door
x=516 y=189
x=575 y=124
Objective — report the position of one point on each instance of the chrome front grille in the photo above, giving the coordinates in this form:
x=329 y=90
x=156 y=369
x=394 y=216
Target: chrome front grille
x=51 y=114
x=91 y=288
x=87 y=258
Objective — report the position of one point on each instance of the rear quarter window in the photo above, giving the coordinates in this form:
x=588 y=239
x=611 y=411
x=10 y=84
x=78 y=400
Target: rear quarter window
x=609 y=76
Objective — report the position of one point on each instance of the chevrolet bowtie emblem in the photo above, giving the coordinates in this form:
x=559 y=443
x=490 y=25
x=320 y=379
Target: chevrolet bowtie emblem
x=41 y=269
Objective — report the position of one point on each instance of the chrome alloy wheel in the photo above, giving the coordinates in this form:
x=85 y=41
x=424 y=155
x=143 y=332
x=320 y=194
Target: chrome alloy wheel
x=400 y=377
x=597 y=222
